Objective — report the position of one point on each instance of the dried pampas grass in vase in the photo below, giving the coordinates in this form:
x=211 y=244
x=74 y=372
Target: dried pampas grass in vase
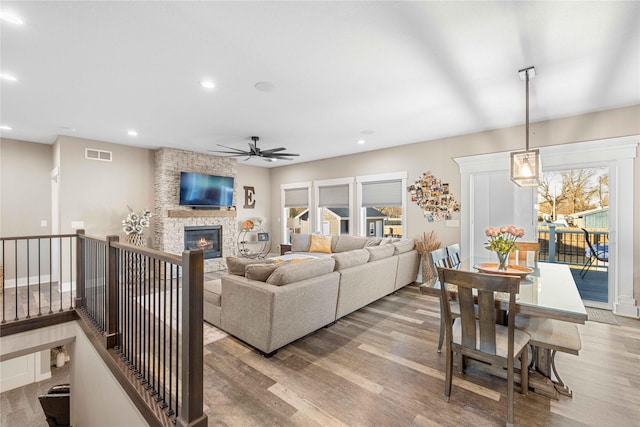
x=427 y=243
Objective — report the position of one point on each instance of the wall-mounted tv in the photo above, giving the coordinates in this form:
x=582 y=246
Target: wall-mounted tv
x=200 y=190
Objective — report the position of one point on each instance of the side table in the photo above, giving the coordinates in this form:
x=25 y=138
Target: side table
x=284 y=248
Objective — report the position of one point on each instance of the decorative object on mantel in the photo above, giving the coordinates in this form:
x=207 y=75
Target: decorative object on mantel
x=502 y=241
x=134 y=225
x=526 y=169
x=427 y=243
x=248 y=225
x=433 y=197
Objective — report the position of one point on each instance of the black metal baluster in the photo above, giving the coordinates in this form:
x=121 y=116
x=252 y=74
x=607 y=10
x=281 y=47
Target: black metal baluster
x=70 y=273
x=28 y=289
x=170 y=410
x=178 y=339
x=39 y=281
x=60 y=271
x=163 y=325
x=4 y=320
x=50 y=275
x=16 y=277
x=156 y=294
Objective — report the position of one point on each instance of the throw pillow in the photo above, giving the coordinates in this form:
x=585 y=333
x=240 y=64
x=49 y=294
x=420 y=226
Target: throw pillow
x=321 y=244
x=300 y=242
x=261 y=272
x=237 y=265
x=380 y=252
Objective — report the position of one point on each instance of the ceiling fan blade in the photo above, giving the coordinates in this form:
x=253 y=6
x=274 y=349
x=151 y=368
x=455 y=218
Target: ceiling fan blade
x=253 y=148
x=272 y=150
x=231 y=153
x=286 y=154
x=230 y=148
x=278 y=158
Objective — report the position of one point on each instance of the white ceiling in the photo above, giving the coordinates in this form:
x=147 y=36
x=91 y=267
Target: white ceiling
x=408 y=71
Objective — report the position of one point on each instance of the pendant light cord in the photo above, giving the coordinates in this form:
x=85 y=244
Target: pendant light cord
x=527 y=108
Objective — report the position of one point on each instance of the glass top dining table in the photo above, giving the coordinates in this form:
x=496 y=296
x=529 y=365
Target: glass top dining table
x=548 y=291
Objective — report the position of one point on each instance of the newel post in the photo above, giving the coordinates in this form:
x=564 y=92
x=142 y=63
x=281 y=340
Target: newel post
x=80 y=264
x=111 y=262
x=191 y=414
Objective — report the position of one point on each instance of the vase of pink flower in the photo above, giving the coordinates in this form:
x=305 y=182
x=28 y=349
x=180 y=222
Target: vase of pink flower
x=502 y=241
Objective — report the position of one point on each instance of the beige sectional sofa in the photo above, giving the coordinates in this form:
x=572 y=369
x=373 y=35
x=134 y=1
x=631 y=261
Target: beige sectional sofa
x=270 y=304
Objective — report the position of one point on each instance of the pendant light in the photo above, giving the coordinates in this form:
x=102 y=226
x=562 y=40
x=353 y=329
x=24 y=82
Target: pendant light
x=526 y=170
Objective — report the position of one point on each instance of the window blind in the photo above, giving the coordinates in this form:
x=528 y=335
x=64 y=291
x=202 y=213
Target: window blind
x=333 y=196
x=296 y=198
x=382 y=193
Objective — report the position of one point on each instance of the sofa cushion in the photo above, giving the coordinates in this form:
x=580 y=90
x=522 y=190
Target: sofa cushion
x=351 y=258
x=300 y=242
x=373 y=241
x=380 y=252
x=261 y=272
x=385 y=241
x=298 y=271
x=404 y=245
x=237 y=265
x=212 y=291
x=348 y=243
x=320 y=244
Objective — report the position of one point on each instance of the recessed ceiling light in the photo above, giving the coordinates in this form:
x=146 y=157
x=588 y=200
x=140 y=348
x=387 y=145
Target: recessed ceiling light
x=10 y=17
x=265 y=87
x=361 y=141
x=132 y=132
x=68 y=129
x=207 y=84
x=9 y=77
x=5 y=127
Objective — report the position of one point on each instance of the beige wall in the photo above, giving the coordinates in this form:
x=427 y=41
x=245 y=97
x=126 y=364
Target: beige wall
x=98 y=193
x=260 y=179
x=437 y=156
x=25 y=188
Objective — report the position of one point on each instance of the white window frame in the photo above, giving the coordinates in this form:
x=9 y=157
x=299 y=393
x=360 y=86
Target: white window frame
x=392 y=176
x=331 y=183
x=283 y=209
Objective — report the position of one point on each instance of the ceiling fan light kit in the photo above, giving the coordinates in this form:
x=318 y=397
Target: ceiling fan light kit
x=270 y=155
x=526 y=169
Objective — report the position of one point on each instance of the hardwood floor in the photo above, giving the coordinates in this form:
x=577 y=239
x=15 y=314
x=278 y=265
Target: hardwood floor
x=379 y=367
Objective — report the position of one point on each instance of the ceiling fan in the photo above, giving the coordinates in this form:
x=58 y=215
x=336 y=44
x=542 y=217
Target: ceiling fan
x=270 y=155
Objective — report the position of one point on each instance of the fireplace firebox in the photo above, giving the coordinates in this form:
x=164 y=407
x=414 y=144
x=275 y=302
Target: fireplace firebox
x=207 y=237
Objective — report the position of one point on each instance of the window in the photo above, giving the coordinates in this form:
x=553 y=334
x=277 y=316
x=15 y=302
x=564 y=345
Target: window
x=334 y=206
x=382 y=203
x=295 y=209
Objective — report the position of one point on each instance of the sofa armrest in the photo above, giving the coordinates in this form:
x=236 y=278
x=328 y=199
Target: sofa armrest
x=269 y=317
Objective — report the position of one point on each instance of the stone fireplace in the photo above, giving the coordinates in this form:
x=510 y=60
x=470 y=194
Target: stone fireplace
x=207 y=238
x=174 y=221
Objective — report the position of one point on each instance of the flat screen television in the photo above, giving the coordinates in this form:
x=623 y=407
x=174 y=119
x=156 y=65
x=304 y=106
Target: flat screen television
x=200 y=190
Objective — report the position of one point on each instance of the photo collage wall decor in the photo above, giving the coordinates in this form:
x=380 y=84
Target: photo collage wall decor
x=433 y=197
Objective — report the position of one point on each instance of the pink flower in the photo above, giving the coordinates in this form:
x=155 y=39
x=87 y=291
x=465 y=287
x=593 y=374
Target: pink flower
x=520 y=232
x=503 y=229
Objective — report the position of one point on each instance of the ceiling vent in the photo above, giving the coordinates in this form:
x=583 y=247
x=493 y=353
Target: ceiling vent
x=94 y=154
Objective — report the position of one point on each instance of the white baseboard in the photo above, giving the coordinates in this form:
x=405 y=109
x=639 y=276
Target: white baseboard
x=22 y=281
x=626 y=306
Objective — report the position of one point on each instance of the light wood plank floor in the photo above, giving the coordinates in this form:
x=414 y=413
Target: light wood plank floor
x=379 y=367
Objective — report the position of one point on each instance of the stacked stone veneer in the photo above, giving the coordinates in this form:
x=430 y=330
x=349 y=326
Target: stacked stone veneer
x=169 y=232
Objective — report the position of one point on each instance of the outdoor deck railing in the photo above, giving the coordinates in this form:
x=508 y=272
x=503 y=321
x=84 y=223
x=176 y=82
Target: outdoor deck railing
x=568 y=245
x=135 y=300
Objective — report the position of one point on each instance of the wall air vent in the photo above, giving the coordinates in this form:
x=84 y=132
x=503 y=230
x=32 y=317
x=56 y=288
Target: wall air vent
x=94 y=154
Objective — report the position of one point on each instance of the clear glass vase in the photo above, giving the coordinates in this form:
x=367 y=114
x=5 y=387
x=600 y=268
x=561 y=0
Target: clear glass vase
x=503 y=260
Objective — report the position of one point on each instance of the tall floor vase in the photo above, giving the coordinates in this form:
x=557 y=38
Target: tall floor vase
x=136 y=239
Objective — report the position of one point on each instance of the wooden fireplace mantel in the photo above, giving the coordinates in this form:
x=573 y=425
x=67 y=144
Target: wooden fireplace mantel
x=200 y=213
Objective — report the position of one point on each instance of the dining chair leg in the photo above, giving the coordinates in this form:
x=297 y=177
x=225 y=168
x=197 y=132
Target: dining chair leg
x=441 y=339
x=448 y=372
x=524 y=371
x=510 y=392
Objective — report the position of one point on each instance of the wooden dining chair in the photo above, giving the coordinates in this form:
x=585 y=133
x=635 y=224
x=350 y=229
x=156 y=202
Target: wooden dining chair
x=481 y=338
x=453 y=251
x=522 y=250
x=440 y=258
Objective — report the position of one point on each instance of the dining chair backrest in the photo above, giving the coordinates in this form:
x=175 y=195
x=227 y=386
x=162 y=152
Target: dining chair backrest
x=439 y=258
x=453 y=251
x=472 y=286
x=522 y=251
